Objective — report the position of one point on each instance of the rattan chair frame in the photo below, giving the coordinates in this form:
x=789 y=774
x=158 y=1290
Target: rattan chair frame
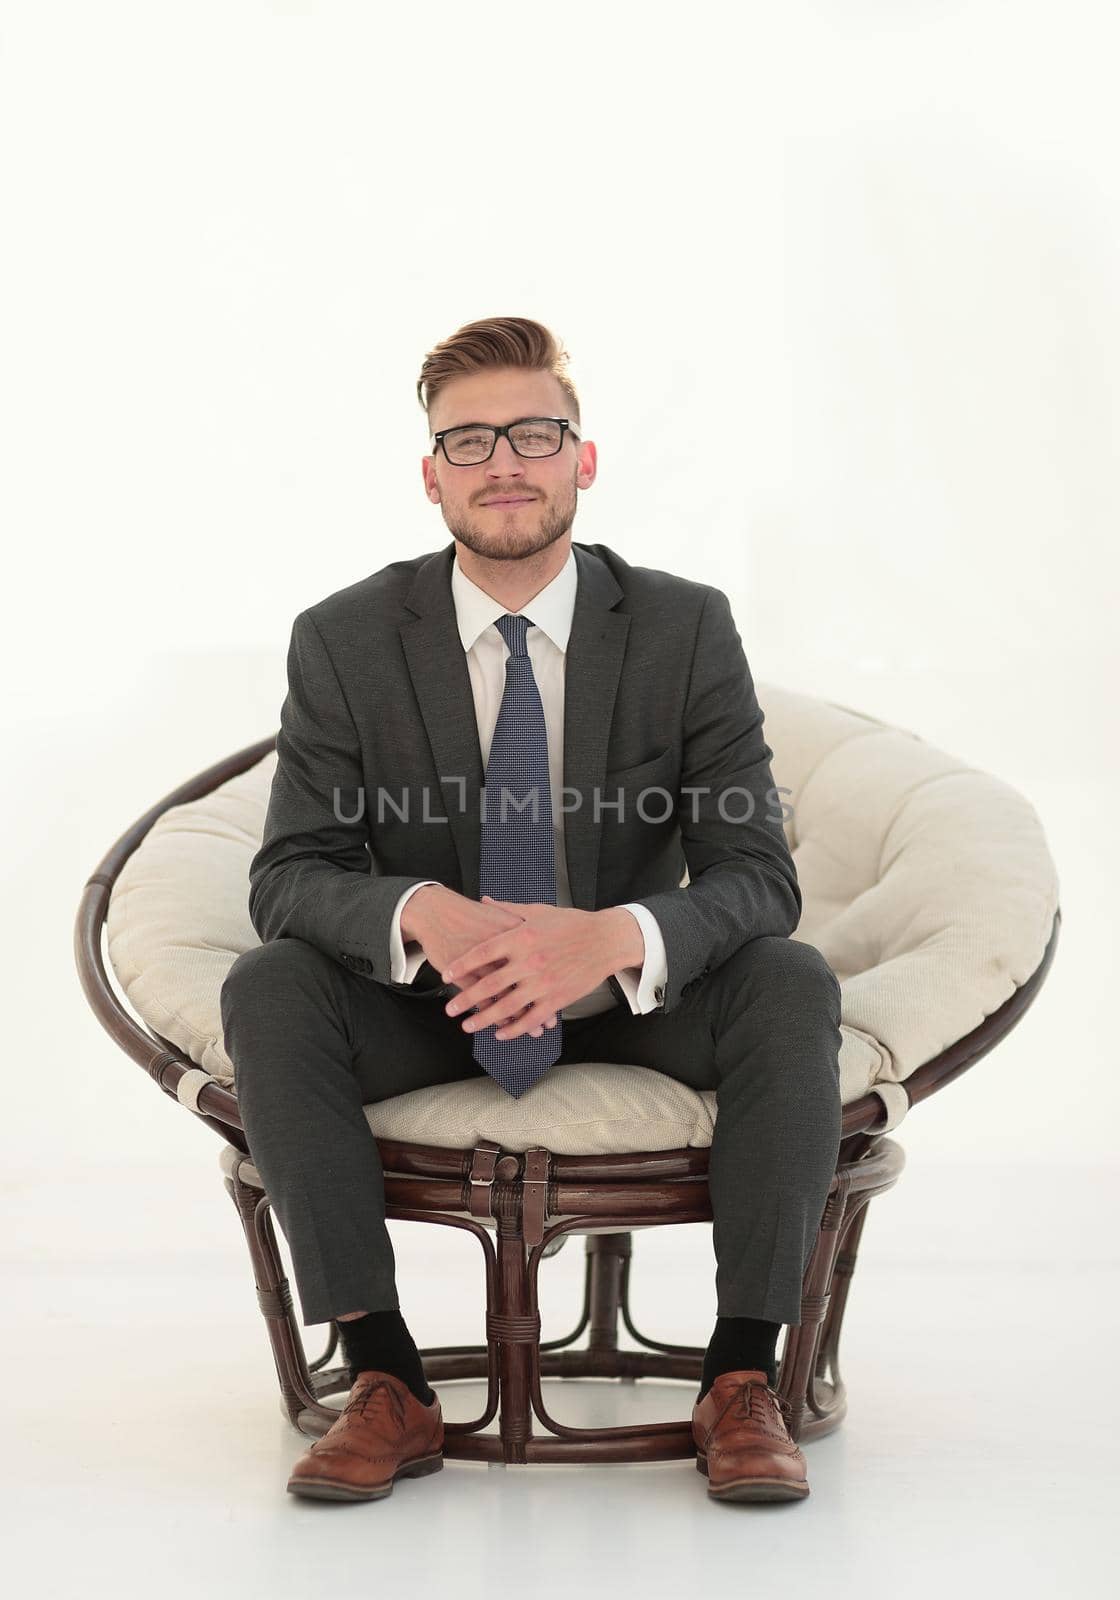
x=532 y=1200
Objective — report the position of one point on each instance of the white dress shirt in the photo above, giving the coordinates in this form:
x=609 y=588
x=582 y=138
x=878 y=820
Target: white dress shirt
x=546 y=640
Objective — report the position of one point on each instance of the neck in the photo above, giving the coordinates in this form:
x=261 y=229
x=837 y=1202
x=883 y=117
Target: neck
x=514 y=583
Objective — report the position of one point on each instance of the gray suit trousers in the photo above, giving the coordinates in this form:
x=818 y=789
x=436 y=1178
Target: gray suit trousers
x=311 y=1042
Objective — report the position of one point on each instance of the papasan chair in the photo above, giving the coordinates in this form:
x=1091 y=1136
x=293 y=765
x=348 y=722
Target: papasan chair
x=927 y=884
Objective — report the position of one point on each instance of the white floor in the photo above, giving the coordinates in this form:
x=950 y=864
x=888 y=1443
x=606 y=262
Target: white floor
x=149 y=1452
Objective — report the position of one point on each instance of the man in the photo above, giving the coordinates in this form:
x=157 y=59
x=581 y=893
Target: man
x=422 y=922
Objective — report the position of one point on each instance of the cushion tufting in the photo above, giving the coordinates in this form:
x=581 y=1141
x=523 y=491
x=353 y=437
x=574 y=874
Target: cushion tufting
x=928 y=886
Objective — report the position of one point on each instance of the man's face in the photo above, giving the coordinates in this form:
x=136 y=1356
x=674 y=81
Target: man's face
x=550 y=483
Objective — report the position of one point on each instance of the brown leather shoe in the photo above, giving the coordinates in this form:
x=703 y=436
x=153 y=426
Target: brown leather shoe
x=382 y=1433
x=743 y=1444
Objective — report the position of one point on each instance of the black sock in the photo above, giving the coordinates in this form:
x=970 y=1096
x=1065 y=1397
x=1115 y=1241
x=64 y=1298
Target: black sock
x=380 y=1341
x=739 y=1343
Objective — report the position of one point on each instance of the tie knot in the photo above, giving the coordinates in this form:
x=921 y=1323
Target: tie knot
x=513 y=629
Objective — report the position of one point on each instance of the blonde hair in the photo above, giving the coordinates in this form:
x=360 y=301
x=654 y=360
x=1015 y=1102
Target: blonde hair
x=495 y=342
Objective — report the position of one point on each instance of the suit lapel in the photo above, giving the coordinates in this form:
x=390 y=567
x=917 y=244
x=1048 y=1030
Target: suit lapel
x=592 y=669
x=437 y=665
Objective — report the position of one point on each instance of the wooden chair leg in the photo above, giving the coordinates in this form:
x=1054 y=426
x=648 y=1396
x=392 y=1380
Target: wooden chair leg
x=828 y=1356
x=608 y=1256
x=299 y=1392
x=517 y=1328
x=514 y=1360
x=814 y=1404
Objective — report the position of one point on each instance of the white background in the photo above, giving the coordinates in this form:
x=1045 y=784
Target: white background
x=839 y=287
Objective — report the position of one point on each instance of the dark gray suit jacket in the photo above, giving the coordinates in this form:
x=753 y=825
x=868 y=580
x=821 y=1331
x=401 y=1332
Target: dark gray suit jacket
x=658 y=695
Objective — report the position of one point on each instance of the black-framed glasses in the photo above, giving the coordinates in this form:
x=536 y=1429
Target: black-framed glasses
x=473 y=442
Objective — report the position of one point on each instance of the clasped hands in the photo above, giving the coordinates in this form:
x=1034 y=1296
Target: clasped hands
x=540 y=958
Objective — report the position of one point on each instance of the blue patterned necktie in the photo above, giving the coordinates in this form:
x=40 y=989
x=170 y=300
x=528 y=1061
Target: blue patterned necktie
x=518 y=861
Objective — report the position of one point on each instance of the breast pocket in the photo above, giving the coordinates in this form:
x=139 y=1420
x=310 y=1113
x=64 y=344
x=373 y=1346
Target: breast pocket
x=643 y=795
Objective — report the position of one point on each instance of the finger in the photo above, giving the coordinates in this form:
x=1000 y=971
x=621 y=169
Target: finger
x=493 y=983
x=501 y=1004
x=465 y=969
x=495 y=947
x=532 y=1017
x=514 y=1026
x=536 y=1032
x=496 y=1016
x=469 y=980
x=471 y=961
x=549 y=1022
x=482 y=972
x=502 y=1010
x=522 y=1012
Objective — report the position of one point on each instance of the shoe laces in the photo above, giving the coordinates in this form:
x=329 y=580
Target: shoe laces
x=752 y=1403
x=371 y=1393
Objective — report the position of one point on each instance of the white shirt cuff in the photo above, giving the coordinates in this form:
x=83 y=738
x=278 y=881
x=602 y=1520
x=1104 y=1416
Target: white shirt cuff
x=405 y=961
x=644 y=986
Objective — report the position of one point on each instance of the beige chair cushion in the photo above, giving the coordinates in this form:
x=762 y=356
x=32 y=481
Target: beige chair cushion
x=928 y=885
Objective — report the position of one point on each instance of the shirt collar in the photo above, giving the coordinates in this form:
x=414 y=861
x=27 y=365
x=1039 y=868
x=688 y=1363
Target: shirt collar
x=551 y=610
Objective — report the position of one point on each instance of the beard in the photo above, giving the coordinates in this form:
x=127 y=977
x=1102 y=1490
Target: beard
x=516 y=535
